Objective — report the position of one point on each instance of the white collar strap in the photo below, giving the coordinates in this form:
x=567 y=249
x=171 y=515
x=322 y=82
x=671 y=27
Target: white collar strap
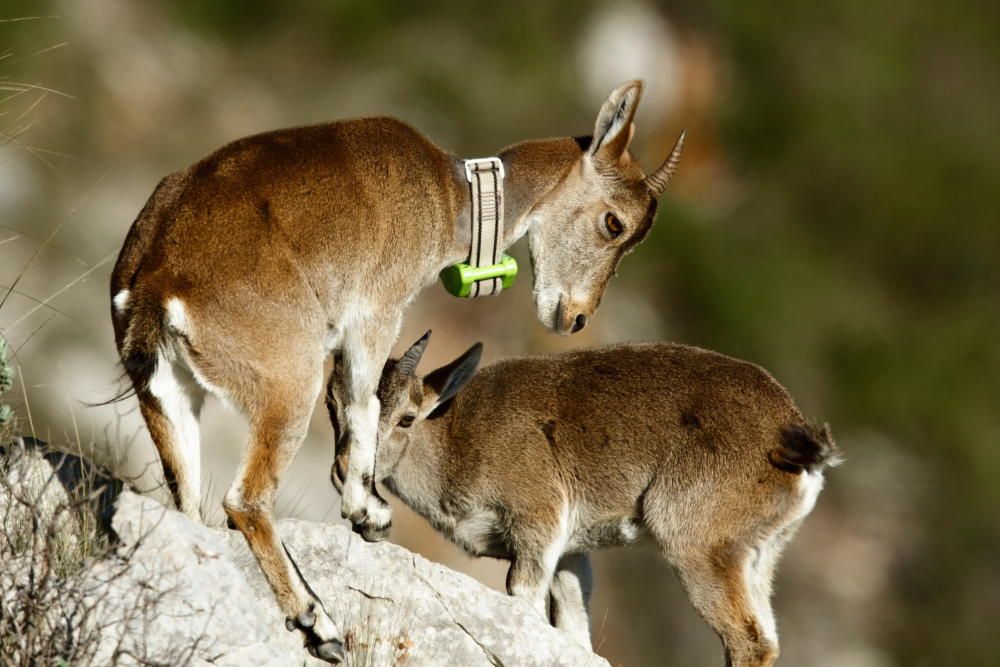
x=485 y=177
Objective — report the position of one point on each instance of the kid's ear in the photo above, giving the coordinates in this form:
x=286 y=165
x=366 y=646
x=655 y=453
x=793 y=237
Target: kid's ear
x=441 y=385
x=614 y=127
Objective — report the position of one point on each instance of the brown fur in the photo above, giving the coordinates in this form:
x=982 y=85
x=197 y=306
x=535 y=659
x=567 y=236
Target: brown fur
x=676 y=440
x=246 y=268
x=159 y=430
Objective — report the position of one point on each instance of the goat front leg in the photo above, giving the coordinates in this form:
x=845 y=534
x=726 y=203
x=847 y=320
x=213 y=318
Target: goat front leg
x=365 y=351
x=527 y=579
x=571 y=588
x=536 y=554
x=335 y=408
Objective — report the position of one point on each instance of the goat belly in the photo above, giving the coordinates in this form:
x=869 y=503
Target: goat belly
x=619 y=532
x=479 y=533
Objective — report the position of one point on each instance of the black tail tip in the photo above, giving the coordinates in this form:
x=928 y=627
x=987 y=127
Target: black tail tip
x=805 y=448
x=141 y=370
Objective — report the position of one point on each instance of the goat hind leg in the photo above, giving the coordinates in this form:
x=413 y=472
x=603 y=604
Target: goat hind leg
x=528 y=580
x=718 y=583
x=276 y=436
x=536 y=555
x=171 y=406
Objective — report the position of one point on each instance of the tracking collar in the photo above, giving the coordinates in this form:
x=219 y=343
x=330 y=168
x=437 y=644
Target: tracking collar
x=488 y=270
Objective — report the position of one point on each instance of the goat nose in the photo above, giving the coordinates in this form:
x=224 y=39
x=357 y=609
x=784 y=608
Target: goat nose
x=580 y=322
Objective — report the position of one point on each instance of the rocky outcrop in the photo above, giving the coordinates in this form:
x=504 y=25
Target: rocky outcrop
x=396 y=607
x=176 y=592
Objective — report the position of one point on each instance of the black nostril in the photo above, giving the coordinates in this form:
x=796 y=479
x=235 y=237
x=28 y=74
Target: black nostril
x=579 y=323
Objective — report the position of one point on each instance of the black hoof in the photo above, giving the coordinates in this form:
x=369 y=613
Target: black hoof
x=358 y=518
x=332 y=651
x=372 y=533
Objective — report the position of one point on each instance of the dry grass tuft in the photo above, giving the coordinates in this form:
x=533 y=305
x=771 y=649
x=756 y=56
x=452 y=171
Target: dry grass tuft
x=68 y=596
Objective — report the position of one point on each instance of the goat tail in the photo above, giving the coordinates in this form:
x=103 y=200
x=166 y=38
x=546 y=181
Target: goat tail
x=805 y=448
x=143 y=335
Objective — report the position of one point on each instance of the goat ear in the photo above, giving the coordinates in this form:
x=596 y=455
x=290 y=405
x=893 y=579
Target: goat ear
x=441 y=385
x=614 y=128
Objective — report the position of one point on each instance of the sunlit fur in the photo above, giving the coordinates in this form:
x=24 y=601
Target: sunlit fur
x=245 y=269
x=541 y=460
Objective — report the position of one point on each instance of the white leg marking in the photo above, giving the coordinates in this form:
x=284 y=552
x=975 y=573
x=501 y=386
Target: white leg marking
x=234 y=495
x=556 y=549
x=362 y=424
x=121 y=301
x=758 y=570
x=362 y=419
x=181 y=399
x=571 y=587
x=539 y=596
x=365 y=348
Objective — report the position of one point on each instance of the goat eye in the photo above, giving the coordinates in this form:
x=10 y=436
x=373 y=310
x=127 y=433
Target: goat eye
x=406 y=421
x=613 y=225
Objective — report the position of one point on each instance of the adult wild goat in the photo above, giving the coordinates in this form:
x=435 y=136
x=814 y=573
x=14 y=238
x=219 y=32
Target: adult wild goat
x=540 y=460
x=246 y=269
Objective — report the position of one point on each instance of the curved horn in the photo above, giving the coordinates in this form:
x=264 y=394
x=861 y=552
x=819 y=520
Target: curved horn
x=408 y=362
x=658 y=180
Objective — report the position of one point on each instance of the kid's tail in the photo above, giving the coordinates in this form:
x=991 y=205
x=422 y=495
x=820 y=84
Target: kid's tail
x=805 y=448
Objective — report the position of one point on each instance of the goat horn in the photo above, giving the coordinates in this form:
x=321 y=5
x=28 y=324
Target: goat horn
x=657 y=181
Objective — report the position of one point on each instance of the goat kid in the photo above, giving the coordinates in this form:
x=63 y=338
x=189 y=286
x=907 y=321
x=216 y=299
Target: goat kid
x=541 y=460
x=246 y=269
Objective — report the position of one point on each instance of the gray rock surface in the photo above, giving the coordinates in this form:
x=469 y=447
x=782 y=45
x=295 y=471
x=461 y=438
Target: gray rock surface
x=39 y=483
x=182 y=597
x=202 y=585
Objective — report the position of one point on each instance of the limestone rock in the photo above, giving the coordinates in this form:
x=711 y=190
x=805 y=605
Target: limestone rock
x=212 y=604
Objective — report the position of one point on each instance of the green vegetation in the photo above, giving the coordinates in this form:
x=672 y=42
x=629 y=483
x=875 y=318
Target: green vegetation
x=863 y=265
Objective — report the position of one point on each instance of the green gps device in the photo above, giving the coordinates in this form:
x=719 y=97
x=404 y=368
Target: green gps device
x=459 y=278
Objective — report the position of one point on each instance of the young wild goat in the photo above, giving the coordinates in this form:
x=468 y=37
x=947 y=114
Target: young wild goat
x=540 y=460
x=246 y=269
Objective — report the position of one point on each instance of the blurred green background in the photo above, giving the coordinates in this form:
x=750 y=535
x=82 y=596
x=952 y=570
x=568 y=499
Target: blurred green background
x=833 y=220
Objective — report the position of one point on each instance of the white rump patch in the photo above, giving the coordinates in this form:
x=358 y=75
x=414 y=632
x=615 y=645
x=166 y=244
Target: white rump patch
x=177 y=315
x=121 y=301
x=177 y=320
x=810 y=484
